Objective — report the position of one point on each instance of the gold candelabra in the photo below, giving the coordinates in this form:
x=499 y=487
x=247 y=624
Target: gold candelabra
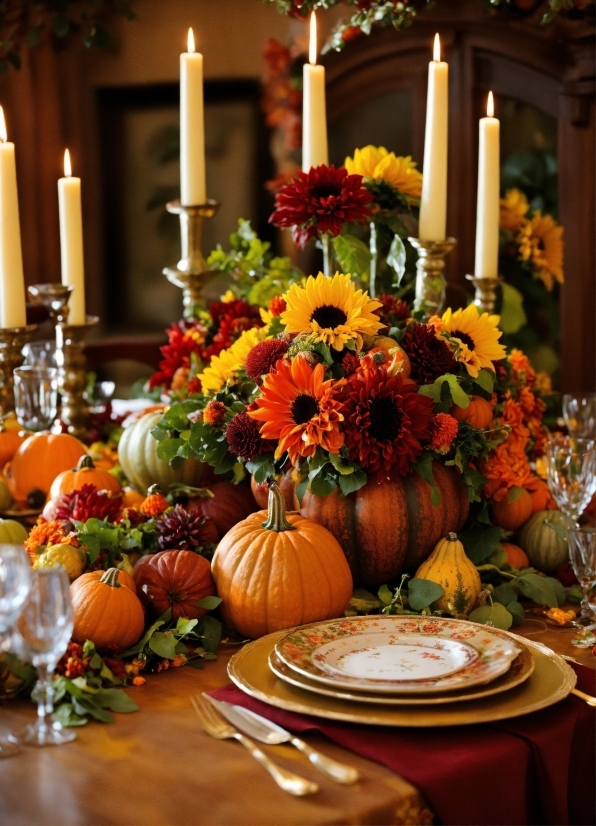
x=12 y=341
x=72 y=373
x=430 y=276
x=191 y=272
x=54 y=297
x=485 y=295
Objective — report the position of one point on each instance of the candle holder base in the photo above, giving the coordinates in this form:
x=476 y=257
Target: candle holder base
x=191 y=272
x=486 y=295
x=430 y=278
x=72 y=373
x=54 y=297
x=12 y=341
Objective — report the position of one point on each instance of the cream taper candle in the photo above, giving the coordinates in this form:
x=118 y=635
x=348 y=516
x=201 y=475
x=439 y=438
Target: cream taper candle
x=13 y=311
x=314 y=115
x=71 y=241
x=487 y=216
x=193 y=189
x=433 y=203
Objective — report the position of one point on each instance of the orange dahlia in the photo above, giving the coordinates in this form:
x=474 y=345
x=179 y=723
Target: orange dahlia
x=44 y=534
x=444 y=429
x=506 y=467
x=299 y=409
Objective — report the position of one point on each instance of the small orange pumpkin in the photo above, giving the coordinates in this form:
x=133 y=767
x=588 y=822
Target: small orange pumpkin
x=512 y=515
x=392 y=351
x=105 y=611
x=132 y=498
x=516 y=557
x=176 y=580
x=541 y=497
x=10 y=440
x=124 y=578
x=85 y=473
x=478 y=413
x=37 y=462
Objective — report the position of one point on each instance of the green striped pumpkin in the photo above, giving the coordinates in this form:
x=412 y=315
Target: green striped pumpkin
x=545 y=549
x=388 y=527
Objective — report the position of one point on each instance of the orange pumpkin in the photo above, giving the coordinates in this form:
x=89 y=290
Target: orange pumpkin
x=512 y=515
x=10 y=440
x=541 y=496
x=85 y=473
x=275 y=570
x=478 y=413
x=516 y=557
x=285 y=483
x=392 y=350
x=176 y=580
x=106 y=611
x=124 y=578
x=386 y=528
x=132 y=498
x=38 y=461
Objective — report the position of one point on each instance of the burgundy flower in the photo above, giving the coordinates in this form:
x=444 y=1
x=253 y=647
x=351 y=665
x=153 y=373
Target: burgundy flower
x=244 y=437
x=350 y=362
x=263 y=357
x=430 y=357
x=178 y=528
x=393 y=309
x=321 y=200
x=88 y=503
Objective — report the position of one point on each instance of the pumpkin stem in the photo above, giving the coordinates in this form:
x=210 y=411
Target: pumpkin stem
x=153 y=490
x=452 y=536
x=276 y=517
x=85 y=461
x=111 y=578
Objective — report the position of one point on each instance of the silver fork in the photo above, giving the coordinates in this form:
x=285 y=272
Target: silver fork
x=217 y=727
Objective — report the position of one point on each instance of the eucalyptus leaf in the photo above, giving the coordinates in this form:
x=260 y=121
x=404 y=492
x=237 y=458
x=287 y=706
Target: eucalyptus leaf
x=352 y=254
x=396 y=258
x=513 y=315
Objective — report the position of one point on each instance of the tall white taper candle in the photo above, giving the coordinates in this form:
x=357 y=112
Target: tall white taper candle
x=314 y=115
x=193 y=190
x=487 y=217
x=71 y=241
x=12 y=280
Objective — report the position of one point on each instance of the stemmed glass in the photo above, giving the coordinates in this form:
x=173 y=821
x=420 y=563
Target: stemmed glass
x=40 y=353
x=582 y=552
x=571 y=473
x=15 y=582
x=579 y=412
x=36 y=397
x=41 y=636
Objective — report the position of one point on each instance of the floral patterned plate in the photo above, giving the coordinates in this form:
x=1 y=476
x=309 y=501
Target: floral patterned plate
x=354 y=665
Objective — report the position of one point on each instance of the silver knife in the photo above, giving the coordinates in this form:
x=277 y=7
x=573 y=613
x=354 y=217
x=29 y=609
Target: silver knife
x=267 y=732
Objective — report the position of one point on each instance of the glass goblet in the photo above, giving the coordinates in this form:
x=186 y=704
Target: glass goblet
x=36 y=397
x=582 y=552
x=571 y=473
x=579 y=412
x=15 y=582
x=40 y=353
x=41 y=635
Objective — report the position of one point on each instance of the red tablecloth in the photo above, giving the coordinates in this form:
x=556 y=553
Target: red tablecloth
x=537 y=769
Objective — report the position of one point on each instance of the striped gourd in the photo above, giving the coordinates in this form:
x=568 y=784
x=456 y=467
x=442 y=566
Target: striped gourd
x=546 y=550
x=449 y=566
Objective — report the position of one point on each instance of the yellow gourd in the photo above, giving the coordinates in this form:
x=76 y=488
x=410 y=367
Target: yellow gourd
x=449 y=566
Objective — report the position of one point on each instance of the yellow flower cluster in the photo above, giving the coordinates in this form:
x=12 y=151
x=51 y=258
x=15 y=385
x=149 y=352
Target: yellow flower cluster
x=473 y=337
x=225 y=366
x=377 y=163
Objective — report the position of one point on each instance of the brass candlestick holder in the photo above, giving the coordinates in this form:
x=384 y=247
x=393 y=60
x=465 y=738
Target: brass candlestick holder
x=12 y=341
x=486 y=292
x=72 y=373
x=191 y=273
x=54 y=297
x=430 y=278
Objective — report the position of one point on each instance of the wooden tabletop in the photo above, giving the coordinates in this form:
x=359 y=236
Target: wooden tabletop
x=156 y=766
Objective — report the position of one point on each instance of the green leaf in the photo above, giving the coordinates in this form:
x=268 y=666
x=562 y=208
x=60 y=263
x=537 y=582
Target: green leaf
x=163 y=644
x=539 y=589
x=363 y=601
x=261 y=467
x=352 y=254
x=352 y=483
x=560 y=530
x=423 y=592
x=513 y=315
x=486 y=380
x=424 y=466
x=210 y=633
x=323 y=484
x=209 y=603
x=66 y=716
x=116 y=700
x=184 y=626
x=516 y=611
x=396 y=258
x=559 y=590
x=504 y=594
x=497 y=614
x=436 y=391
x=498 y=558
x=479 y=542
x=385 y=594
x=514 y=493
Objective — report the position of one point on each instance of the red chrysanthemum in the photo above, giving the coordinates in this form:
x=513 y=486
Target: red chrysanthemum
x=88 y=503
x=263 y=357
x=430 y=357
x=185 y=339
x=231 y=319
x=277 y=305
x=350 y=362
x=214 y=413
x=321 y=200
x=243 y=435
x=194 y=385
x=393 y=309
x=386 y=422
x=443 y=430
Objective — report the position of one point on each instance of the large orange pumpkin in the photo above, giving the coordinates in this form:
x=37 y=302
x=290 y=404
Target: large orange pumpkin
x=10 y=440
x=85 y=473
x=386 y=528
x=105 y=611
x=478 y=413
x=176 y=580
x=512 y=515
x=515 y=555
x=275 y=570
x=285 y=483
x=228 y=505
x=38 y=461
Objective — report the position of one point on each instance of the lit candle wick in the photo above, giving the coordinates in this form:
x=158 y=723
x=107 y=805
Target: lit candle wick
x=490 y=106
x=67 y=164
x=437 y=49
x=3 y=135
x=190 y=41
x=312 y=51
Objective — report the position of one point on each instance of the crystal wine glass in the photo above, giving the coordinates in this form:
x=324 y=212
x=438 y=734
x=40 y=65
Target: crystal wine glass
x=40 y=353
x=582 y=552
x=571 y=469
x=36 y=397
x=579 y=412
x=15 y=582
x=41 y=635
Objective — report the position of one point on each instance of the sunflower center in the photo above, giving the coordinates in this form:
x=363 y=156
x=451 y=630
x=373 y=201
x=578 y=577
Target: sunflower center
x=385 y=420
x=325 y=191
x=464 y=338
x=304 y=407
x=329 y=317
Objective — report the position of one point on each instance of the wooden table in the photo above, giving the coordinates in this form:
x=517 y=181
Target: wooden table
x=157 y=767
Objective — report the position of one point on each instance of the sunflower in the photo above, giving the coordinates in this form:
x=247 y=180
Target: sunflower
x=299 y=409
x=376 y=163
x=473 y=337
x=332 y=310
x=541 y=243
x=226 y=365
x=514 y=207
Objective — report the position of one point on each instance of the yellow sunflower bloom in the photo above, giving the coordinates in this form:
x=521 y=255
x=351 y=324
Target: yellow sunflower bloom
x=225 y=366
x=514 y=207
x=332 y=310
x=377 y=163
x=476 y=338
x=541 y=243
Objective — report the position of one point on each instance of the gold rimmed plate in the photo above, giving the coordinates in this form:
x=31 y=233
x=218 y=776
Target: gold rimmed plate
x=551 y=681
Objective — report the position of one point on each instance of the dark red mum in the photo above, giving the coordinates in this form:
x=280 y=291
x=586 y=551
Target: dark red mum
x=430 y=357
x=263 y=357
x=244 y=437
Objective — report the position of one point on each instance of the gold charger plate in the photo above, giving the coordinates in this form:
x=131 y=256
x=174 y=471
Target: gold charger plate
x=520 y=670
x=551 y=681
